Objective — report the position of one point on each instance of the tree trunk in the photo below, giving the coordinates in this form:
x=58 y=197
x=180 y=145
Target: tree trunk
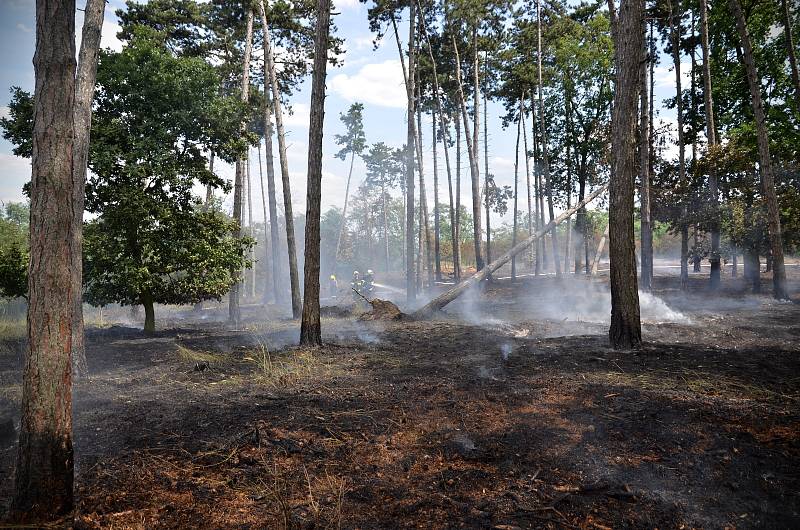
x=516 y=194
x=149 y=313
x=85 y=78
x=250 y=227
x=210 y=188
x=423 y=195
x=599 y=253
x=625 y=331
x=531 y=212
x=310 y=327
x=674 y=28
x=486 y=179
x=734 y=264
x=541 y=246
x=436 y=231
x=568 y=162
x=711 y=136
x=44 y=471
x=457 y=242
x=411 y=284
x=476 y=179
x=790 y=50
x=274 y=229
x=767 y=183
x=291 y=245
x=545 y=157
x=265 y=297
x=385 y=224
x=234 y=312
x=445 y=298
x=646 y=250
x=580 y=219
x=344 y=211
x=473 y=163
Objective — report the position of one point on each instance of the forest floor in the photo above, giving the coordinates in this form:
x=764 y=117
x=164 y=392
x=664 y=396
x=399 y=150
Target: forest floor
x=507 y=411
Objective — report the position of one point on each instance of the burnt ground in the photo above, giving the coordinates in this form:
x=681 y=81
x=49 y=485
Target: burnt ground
x=498 y=414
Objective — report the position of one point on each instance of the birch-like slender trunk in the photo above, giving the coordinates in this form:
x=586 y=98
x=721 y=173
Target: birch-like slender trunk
x=646 y=249
x=711 y=136
x=344 y=210
x=234 y=312
x=436 y=226
x=531 y=212
x=516 y=194
x=267 y=274
x=274 y=228
x=291 y=245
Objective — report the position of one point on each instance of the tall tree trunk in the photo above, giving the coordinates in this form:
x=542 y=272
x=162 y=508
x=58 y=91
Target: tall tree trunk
x=234 y=312
x=291 y=245
x=344 y=210
x=711 y=136
x=568 y=162
x=476 y=181
x=486 y=177
x=535 y=247
x=310 y=327
x=541 y=248
x=545 y=157
x=625 y=331
x=267 y=275
x=580 y=219
x=644 y=170
x=457 y=243
x=44 y=471
x=210 y=188
x=790 y=50
x=516 y=194
x=599 y=253
x=674 y=29
x=472 y=151
x=411 y=285
x=385 y=224
x=85 y=78
x=436 y=227
x=423 y=195
x=274 y=229
x=250 y=227
x=765 y=167
x=149 y=312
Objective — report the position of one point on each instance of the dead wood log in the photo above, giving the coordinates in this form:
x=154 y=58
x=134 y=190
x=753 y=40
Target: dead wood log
x=445 y=298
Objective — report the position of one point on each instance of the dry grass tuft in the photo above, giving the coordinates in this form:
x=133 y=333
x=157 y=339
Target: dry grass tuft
x=190 y=355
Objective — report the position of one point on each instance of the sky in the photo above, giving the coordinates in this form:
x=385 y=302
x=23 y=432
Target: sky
x=373 y=77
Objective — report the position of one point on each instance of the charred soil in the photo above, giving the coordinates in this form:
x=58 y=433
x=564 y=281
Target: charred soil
x=490 y=416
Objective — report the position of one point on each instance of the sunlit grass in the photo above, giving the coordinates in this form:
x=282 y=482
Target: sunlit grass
x=190 y=355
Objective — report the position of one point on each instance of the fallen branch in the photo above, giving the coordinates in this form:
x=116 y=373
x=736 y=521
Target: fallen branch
x=445 y=298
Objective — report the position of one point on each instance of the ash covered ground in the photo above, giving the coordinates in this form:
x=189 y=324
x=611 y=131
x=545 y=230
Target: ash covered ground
x=506 y=410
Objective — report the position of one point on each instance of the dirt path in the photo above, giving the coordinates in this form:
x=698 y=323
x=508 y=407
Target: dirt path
x=497 y=415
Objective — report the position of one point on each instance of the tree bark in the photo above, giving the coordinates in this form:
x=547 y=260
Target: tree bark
x=711 y=136
x=265 y=298
x=149 y=313
x=790 y=50
x=411 y=285
x=644 y=170
x=344 y=211
x=779 y=290
x=85 y=80
x=457 y=241
x=423 y=195
x=436 y=230
x=599 y=253
x=310 y=327
x=250 y=227
x=486 y=179
x=44 y=471
x=234 y=312
x=516 y=194
x=541 y=245
x=291 y=244
x=385 y=224
x=625 y=331
x=531 y=212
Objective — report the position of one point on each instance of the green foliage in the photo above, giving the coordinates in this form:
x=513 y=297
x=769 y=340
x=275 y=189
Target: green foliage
x=14 y=250
x=353 y=140
x=18 y=127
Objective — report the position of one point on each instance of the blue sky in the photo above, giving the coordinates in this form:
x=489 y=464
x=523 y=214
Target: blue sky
x=373 y=77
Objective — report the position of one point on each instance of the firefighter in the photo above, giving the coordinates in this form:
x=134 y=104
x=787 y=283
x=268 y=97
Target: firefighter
x=333 y=286
x=369 y=278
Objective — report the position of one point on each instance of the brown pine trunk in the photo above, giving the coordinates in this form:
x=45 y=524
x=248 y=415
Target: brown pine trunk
x=250 y=227
x=486 y=179
x=234 y=312
x=84 y=95
x=533 y=213
x=44 y=471
x=385 y=224
x=646 y=249
x=457 y=242
x=411 y=284
x=436 y=231
x=476 y=178
x=310 y=327
x=423 y=195
x=291 y=244
x=265 y=297
x=149 y=313
x=625 y=331
x=765 y=167
x=541 y=247
x=516 y=194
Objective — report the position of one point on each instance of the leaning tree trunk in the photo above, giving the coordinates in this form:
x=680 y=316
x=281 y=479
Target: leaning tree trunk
x=545 y=157
x=84 y=95
x=445 y=298
x=599 y=253
x=344 y=211
x=765 y=166
x=790 y=50
x=310 y=327
x=644 y=171
x=674 y=29
x=44 y=471
x=234 y=312
x=626 y=330
x=287 y=192
x=711 y=136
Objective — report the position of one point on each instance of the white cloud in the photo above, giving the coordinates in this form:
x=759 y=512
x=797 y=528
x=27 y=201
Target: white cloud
x=108 y=37
x=664 y=76
x=5 y=112
x=375 y=83
x=347 y=4
x=14 y=173
x=300 y=116
x=22 y=27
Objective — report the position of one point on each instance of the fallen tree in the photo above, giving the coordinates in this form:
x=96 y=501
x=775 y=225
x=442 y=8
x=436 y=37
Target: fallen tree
x=445 y=298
